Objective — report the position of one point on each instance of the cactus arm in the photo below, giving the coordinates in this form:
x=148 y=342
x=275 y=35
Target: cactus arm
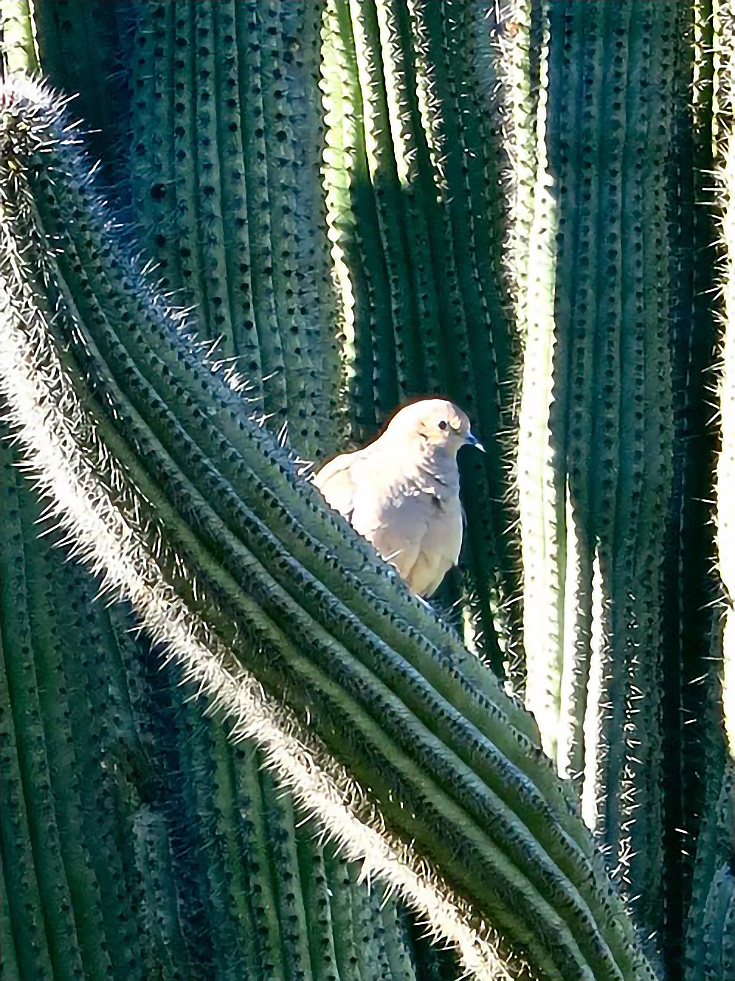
x=170 y=572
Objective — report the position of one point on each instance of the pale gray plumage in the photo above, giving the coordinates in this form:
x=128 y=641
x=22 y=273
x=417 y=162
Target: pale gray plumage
x=401 y=492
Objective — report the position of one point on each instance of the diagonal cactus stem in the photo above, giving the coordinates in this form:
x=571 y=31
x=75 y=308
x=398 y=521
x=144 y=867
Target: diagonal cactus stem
x=404 y=747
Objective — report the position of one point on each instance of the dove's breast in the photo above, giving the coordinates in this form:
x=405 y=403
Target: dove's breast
x=408 y=508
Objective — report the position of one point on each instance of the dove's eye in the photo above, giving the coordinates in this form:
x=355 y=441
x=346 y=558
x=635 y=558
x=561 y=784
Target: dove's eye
x=443 y=424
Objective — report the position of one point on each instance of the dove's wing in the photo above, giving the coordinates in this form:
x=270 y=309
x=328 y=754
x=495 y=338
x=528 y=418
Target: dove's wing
x=336 y=481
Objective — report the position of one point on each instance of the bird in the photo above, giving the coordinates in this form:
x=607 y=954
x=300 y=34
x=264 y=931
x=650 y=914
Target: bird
x=401 y=491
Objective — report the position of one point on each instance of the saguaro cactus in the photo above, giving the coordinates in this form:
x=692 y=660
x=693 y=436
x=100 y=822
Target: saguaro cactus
x=167 y=851
x=358 y=201
x=364 y=703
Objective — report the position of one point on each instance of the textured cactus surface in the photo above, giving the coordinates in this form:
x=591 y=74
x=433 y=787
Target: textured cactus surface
x=168 y=852
x=233 y=745
x=450 y=792
x=614 y=453
x=596 y=422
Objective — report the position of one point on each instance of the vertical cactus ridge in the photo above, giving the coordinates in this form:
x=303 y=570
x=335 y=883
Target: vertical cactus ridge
x=164 y=953
x=712 y=878
x=280 y=826
x=151 y=163
x=215 y=86
x=718 y=952
x=596 y=428
x=520 y=42
x=194 y=576
x=540 y=495
x=394 y=357
x=11 y=970
x=355 y=114
x=22 y=903
x=320 y=921
x=722 y=13
x=298 y=326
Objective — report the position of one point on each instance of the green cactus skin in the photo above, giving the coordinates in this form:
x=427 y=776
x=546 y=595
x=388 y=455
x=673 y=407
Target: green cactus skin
x=20 y=48
x=692 y=733
x=707 y=940
x=521 y=52
x=186 y=865
x=711 y=924
x=75 y=861
x=596 y=425
x=726 y=462
x=75 y=41
x=238 y=230
x=208 y=576
x=722 y=13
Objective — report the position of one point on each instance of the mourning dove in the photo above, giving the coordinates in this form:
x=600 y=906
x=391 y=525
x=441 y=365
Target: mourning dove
x=401 y=492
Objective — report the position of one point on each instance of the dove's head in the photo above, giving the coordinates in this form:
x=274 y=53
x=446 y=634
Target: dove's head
x=437 y=423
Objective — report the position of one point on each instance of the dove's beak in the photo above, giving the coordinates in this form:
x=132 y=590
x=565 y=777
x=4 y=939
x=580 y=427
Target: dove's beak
x=472 y=440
